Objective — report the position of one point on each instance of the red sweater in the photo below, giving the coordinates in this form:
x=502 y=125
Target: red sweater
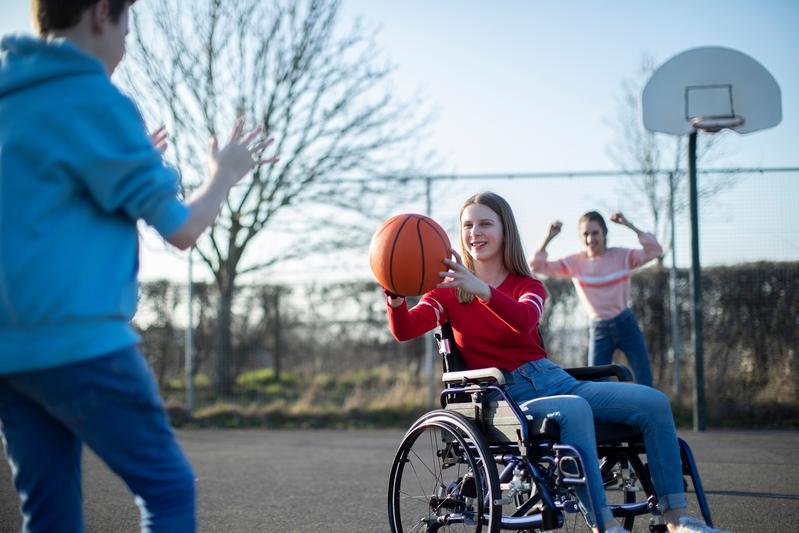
x=502 y=332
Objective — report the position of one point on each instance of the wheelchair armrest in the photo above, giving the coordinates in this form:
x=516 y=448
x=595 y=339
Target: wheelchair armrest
x=479 y=375
x=590 y=373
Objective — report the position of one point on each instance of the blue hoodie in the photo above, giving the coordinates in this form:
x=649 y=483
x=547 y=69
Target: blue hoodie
x=77 y=170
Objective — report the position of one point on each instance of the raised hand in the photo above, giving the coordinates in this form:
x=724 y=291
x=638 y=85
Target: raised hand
x=241 y=154
x=618 y=218
x=226 y=166
x=554 y=229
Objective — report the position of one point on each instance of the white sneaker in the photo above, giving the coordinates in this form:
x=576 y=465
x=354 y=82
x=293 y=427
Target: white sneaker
x=690 y=524
x=616 y=529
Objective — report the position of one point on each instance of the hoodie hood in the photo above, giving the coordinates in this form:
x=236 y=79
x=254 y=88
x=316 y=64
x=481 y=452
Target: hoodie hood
x=27 y=61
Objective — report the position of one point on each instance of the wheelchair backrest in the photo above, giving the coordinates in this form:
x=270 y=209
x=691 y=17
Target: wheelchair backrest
x=451 y=355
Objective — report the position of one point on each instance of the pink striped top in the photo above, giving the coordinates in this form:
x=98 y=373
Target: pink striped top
x=602 y=283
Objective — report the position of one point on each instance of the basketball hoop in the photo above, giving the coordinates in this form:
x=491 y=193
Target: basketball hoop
x=708 y=89
x=716 y=124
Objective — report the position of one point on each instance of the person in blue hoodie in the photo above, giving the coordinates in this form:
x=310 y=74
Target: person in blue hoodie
x=77 y=171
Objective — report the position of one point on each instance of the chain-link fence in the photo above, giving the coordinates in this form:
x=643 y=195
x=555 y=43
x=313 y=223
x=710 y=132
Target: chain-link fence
x=300 y=341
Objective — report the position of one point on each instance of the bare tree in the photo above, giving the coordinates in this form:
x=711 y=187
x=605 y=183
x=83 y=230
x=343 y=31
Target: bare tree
x=155 y=320
x=637 y=149
x=322 y=91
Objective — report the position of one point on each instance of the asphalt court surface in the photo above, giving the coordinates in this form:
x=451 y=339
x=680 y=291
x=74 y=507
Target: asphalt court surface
x=335 y=481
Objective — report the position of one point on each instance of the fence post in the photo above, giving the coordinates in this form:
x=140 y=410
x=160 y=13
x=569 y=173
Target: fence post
x=676 y=337
x=429 y=352
x=189 y=348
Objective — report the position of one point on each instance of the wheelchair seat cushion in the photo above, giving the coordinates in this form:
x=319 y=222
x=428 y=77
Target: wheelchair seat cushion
x=548 y=429
x=606 y=433
x=610 y=433
x=502 y=425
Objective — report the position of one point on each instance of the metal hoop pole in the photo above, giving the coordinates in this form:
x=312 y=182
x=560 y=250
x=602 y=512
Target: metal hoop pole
x=696 y=293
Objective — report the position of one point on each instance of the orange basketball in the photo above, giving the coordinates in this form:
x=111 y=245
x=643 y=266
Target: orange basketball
x=407 y=252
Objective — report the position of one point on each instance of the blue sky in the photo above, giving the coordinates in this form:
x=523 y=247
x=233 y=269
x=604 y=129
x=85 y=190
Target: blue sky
x=530 y=86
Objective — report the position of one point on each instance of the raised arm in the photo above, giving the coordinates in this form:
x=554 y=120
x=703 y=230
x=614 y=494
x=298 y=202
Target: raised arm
x=650 y=246
x=226 y=167
x=620 y=219
x=554 y=230
x=540 y=263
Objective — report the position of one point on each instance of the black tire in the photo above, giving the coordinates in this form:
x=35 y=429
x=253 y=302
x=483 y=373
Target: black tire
x=443 y=478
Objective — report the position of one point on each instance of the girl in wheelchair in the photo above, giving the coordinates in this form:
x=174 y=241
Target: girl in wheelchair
x=494 y=305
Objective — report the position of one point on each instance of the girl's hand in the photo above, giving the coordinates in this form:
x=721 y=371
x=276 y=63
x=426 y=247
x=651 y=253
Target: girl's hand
x=460 y=276
x=394 y=299
x=618 y=218
x=554 y=229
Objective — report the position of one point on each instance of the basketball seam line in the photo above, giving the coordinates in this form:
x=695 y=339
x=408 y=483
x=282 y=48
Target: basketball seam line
x=444 y=241
x=393 y=248
x=421 y=248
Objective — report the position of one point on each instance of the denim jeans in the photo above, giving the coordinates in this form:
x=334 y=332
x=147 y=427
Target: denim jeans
x=112 y=404
x=620 y=332
x=545 y=390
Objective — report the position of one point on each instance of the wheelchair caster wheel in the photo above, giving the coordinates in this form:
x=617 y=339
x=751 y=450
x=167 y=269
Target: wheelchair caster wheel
x=657 y=526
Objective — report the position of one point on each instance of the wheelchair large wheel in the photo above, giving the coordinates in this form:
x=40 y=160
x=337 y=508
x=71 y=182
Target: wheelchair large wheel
x=443 y=478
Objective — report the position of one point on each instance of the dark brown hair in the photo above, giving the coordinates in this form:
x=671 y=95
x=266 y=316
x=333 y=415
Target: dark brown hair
x=595 y=217
x=52 y=15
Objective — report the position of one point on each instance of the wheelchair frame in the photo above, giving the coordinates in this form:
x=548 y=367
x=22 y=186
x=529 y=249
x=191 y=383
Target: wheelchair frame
x=512 y=460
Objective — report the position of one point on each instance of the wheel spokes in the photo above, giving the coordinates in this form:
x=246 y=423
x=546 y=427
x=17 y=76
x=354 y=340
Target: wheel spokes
x=432 y=483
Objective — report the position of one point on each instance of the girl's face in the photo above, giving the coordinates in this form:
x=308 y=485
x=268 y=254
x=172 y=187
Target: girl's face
x=593 y=237
x=481 y=233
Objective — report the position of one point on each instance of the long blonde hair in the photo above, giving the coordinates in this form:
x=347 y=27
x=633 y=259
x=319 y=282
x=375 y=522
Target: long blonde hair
x=513 y=256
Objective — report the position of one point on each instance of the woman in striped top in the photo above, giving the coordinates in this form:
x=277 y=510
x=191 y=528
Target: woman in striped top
x=601 y=276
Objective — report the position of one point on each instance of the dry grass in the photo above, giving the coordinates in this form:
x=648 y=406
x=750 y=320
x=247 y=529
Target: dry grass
x=376 y=397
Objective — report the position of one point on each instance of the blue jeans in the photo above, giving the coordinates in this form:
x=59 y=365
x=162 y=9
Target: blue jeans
x=620 y=332
x=112 y=404
x=545 y=390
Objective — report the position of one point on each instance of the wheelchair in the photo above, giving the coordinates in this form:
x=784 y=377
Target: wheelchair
x=480 y=465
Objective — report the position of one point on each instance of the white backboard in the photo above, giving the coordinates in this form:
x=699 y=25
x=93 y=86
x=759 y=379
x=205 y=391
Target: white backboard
x=715 y=84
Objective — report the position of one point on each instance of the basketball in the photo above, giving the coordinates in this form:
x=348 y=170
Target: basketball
x=407 y=252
